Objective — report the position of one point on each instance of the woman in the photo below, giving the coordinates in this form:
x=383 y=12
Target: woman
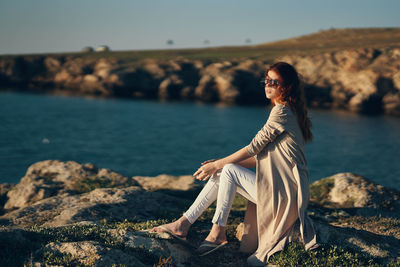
x=279 y=190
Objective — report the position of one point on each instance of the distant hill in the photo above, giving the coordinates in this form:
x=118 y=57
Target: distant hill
x=337 y=39
x=322 y=41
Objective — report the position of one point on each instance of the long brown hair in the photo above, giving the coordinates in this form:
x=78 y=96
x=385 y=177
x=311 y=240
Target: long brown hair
x=291 y=92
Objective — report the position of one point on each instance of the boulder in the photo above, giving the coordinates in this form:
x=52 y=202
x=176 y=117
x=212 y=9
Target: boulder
x=4 y=189
x=89 y=245
x=52 y=64
x=49 y=178
x=160 y=245
x=170 y=88
x=90 y=253
x=351 y=191
x=183 y=186
x=112 y=204
x=103 y=67
x=391 y=103
x=207 y=89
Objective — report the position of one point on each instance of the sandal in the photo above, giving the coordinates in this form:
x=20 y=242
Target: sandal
x=207 y=247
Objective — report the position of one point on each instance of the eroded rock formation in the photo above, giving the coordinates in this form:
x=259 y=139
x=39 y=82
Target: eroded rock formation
x=360 y=80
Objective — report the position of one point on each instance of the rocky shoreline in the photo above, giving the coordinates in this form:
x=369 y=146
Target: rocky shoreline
x=361 y=80
x=66 y=213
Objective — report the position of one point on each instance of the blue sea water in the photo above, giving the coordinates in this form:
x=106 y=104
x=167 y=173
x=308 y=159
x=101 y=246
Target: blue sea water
x=137 y=137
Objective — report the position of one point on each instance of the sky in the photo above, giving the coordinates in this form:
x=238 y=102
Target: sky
x=48 y=26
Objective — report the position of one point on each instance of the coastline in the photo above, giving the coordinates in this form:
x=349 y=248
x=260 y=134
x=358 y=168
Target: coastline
x=359 y=80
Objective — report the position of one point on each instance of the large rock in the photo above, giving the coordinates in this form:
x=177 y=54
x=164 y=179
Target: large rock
x=170 y=88
x=348 y=190
x=182 y=186
x=52 y=177
x=4 y=189
x=104 y=203
x=91 y=253
x=89 y=245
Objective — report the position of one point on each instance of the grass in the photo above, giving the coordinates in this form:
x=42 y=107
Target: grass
x=84 y=185
x=376 y=224
x=320 y=189
x=326 y=255
x=322 y=41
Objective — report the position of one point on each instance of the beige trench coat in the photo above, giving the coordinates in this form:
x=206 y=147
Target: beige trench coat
x=282 y=187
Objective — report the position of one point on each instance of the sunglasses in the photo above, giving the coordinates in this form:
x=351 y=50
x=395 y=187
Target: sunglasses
x=270 y=82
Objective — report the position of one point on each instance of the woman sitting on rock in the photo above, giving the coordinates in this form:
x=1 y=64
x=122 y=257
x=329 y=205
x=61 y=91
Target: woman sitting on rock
x=278 y=192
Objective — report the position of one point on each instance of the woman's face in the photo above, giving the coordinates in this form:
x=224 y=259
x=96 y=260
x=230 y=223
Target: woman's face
x=271 y=90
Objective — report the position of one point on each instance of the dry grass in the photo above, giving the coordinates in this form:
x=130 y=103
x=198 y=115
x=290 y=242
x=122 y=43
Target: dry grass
x=322 y=41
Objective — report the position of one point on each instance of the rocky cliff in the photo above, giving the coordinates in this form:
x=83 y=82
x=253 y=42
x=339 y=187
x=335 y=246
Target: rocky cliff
x=66 y=213
x=362 y=80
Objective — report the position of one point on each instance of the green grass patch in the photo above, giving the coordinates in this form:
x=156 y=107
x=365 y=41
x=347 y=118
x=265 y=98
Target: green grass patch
x=319 y=191
x=134 y=225
x=84 y=185
x=375 y=224
x=326 y=255
x=57 y=258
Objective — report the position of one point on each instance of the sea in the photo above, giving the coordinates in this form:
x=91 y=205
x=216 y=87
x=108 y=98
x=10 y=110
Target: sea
x=148 y=138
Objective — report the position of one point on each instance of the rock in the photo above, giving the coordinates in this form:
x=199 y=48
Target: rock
x=170 y=88
x=63 y=77
x=52 y=64
x=93 y=246
x=91 y=253
x=4 y=189
x=359 y=79
x=92 y=85
x=374 y=245
x=347 y=190
x=207 y=89
x=104 y=67
x=391 y=103
x=183 y=186
x=110 y=203
x=52 y=177
x=160 y=247
x=90 y=78
x=228 y=93
x=155 y=68
x=135 y=82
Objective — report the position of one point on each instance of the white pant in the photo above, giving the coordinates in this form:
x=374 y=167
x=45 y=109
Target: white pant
x=222 y=187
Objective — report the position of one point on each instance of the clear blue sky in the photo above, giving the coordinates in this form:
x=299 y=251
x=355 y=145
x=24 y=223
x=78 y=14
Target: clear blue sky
x=37 y=26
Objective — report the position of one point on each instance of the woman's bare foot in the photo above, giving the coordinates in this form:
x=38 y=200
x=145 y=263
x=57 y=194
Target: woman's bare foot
x=217 y=234
x=179 y=227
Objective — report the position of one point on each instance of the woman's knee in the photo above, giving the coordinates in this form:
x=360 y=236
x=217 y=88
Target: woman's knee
x=229 y=167
x=228 y=170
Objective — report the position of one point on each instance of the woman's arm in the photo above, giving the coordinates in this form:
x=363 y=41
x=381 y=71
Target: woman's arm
x=208 y=169
x=248 y=163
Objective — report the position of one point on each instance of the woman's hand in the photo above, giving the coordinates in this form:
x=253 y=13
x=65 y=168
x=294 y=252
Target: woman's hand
x=209 y=168
x=208 y=161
